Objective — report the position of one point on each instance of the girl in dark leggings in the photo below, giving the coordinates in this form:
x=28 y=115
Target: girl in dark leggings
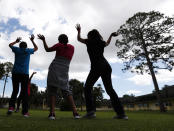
x=99 y=68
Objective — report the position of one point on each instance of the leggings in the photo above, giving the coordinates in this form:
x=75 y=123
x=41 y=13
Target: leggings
x=105 y=74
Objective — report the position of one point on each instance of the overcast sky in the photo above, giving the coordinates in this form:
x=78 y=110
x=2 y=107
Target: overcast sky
x=54 y=17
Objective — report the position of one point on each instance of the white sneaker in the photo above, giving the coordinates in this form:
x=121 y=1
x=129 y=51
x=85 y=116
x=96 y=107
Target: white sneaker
x=76 y=116
x=26 y=115
x=51 y=116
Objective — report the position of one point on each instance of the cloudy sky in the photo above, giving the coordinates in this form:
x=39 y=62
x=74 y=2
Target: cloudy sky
x=53 y=17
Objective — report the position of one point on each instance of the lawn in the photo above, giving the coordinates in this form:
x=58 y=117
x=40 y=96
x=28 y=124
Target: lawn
x=38 y=121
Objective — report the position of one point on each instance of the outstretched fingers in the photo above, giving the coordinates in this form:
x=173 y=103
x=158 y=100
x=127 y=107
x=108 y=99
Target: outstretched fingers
x=18 y=39
x=41 y=37
x=78 y=27
x=32 y=37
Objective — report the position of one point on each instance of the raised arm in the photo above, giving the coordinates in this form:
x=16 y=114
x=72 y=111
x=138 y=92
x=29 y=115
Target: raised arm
x=16 y=41
x=114 y=34
x=34 y=44
x=31 y=76
x=42 y=37
x=79 y=34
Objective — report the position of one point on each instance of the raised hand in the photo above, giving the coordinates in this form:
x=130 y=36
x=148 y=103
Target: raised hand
x=32 y=37
x=41 y=37
x=78 y=27
x=34 y=73
x=114 y=34
x=18 y=39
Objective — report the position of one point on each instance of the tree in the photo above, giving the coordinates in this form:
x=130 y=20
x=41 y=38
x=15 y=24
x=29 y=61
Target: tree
x=34 y=99
x=77 y=89
x=5 y=73
x=2 y=71
x=146 y=44
x=98 y=94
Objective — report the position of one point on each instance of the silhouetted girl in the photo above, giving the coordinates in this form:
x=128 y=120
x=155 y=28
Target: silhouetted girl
x=58 y=73
x=99 y=68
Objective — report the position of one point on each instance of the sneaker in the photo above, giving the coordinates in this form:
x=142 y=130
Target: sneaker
x=76 y=116
x=90 y=115
x=26 y=115
x=52 y=116
x=10 y=110
x=124 y=117
x=17 y=110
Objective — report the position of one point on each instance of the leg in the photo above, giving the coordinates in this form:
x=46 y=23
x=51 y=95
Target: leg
x=19 y=101
x=106 y=78
x=15 y=81
x=52 y=104
x=52 y=101
x=71 y=102
x=91 y=79
x=24 y=83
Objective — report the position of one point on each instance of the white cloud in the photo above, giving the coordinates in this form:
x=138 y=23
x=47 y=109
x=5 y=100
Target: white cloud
x=115 y=60
x=114 y=76
x=165 y=76
x=141 y=80
x=41 y=89
x=134 y=92
x=166 y=7
x=40 y=75
x=81 y=76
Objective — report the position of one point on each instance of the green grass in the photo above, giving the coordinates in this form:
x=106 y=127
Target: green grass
x=138 y=121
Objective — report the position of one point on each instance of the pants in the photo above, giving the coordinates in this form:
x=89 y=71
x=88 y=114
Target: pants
x=23 y=79
x=105 y=73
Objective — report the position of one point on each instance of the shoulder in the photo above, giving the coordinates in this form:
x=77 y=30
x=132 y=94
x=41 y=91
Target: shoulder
x=103 y=43
x=14 y=47
x=30 y=50
x=70 y=46
x=57 y=45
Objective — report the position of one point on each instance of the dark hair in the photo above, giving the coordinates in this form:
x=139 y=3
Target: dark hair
x=23 y=45
x=63 y=39
x=94 y=35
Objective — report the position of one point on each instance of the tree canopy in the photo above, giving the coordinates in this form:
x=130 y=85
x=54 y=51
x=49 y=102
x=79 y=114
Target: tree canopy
x=152 y=30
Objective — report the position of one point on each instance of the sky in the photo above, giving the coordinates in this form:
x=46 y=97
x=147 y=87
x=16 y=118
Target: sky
x=21 y=18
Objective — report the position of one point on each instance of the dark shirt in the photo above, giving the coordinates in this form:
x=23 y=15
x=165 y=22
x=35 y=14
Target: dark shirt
x=95 y=50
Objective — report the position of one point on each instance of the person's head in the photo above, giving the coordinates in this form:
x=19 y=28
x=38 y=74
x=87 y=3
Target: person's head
x=94 y=35
x=23 y=45
x=63 y=39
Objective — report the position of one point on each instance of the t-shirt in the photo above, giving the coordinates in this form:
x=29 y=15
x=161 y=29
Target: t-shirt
x=66 y=51
x=22 y=59
x=95 y=51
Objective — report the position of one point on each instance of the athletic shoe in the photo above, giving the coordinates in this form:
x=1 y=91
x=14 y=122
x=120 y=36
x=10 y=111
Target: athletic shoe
x=124 y=117
x=52 y=116
x=17 y=110
x=10 y=110
x=76 y=116
x=90 y=115
x=26 y=115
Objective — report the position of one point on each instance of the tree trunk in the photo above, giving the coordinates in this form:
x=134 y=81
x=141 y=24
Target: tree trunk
x=158 y=94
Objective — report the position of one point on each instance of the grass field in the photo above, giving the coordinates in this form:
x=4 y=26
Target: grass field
x=138 y=121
